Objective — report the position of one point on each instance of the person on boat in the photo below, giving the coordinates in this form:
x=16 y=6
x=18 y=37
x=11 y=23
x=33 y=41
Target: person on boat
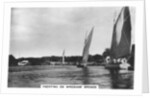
x=118 y=60
x=108 y=60
x=114 y=61
x=124 y=64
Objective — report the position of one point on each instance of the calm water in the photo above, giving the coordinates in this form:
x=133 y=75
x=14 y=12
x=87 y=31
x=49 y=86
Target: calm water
x=29 y=76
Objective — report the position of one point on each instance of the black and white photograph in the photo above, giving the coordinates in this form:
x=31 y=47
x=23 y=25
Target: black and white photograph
x=72 y=46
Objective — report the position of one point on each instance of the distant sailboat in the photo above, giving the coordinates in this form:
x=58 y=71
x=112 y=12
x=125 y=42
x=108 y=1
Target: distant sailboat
x=85 y=54
x=63 y=57
x=121 y=39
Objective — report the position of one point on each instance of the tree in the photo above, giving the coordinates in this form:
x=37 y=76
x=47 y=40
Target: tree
x=12 y=61
x=106 y=52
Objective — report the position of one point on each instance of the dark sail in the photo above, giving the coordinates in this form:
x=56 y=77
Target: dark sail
x=121 y=39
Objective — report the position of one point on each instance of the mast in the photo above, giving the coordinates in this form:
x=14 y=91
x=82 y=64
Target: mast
x=87 y=44
x=121 y=39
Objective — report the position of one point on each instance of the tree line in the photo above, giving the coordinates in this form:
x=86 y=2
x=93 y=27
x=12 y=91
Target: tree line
x=46 y=60
x=97 y=58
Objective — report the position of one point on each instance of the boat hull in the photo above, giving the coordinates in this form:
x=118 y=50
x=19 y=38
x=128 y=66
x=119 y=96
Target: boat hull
x=112 y=66
x=81 y=66
x=116 y=67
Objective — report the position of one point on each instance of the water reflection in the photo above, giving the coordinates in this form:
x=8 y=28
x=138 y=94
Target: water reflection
x=85 y=76
x=121 y=81
x=91 y=75
x=113 y=79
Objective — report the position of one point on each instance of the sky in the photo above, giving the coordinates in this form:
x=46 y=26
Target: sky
x=37 y=32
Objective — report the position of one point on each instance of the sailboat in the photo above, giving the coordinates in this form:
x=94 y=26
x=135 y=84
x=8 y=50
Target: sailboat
x=63 y=57
x=85 y=54
x=121 y=39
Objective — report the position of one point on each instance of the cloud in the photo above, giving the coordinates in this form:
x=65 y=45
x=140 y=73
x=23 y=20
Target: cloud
x=47 y=31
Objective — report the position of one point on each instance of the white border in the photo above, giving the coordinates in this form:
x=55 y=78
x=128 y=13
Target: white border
x=147 y=20
x=138 y=43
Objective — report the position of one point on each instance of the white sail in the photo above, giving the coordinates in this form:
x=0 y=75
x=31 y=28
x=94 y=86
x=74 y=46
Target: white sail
x=87 y=44
x=63 y=57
